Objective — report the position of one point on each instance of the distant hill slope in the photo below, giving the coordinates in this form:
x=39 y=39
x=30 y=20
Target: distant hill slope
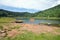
x=5 y=13
x=52 y=12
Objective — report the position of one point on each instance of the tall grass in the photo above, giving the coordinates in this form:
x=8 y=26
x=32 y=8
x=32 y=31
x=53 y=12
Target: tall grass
x=32 y=36
x=6 y=20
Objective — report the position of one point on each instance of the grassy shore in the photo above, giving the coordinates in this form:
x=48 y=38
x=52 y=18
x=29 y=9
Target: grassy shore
x=50 y=18
x=32 y=36
x=6 y=19
x=26 y=35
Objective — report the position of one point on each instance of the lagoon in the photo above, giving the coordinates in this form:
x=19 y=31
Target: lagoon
x=37 y=21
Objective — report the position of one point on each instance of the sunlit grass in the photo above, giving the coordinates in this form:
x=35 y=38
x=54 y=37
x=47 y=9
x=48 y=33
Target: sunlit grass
x=6 y=20
x=32 y=36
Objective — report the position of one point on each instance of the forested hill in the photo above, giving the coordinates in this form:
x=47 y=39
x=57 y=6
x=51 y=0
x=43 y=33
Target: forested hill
x=5 y=13
x=52 y=12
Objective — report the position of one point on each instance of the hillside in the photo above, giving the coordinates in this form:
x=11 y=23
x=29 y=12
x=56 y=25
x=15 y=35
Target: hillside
x=5 y=13
x=52 y=12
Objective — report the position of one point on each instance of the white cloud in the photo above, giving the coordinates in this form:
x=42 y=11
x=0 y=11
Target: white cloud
x=30 y=4
x=58 y=2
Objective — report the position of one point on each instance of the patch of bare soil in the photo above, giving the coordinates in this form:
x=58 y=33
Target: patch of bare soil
x=39 y=28
x=35 y=28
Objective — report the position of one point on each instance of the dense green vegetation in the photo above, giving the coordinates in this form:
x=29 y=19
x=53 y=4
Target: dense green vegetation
x=5 y=13
x=52 y=12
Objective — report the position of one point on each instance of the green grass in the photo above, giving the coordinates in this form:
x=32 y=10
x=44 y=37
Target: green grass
x=1 y=27
x=50 y=18
x=32 y=36
x=6 y=20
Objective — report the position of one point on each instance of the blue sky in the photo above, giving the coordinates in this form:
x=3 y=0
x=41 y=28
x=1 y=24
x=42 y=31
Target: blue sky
x=28 y=5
